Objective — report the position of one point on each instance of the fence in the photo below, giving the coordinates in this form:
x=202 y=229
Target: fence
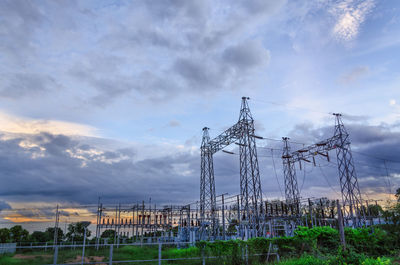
x=134 y=253
x=7 y=248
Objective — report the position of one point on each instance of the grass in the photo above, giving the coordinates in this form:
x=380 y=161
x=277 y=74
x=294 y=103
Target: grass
x=123 y=253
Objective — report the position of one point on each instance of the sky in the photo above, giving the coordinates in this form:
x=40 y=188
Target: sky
x=108 y=98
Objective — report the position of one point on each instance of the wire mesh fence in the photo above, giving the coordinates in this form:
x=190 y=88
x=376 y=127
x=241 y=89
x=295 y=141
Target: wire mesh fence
x=134 y=253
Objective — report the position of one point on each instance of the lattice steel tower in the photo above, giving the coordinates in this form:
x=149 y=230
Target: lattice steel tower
x=250 y=184
x=207 y=184
x=351 y=196
x=242 y=134
x=292 y=194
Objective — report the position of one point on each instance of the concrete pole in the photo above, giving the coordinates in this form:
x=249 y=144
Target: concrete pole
x=55 y=255
x=110 y=258
x=340 y=222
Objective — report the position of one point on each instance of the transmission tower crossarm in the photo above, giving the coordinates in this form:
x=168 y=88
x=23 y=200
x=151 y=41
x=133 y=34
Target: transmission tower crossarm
x=229 y=136
x=320 y=148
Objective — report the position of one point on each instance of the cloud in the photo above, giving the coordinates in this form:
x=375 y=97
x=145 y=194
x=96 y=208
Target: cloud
x=350 y=14
x=74 y=171
x=4 y=205
x=19 y=22
x=173 y=123
x=354 y=75
x=246 y=55
x=199 y=74
x=71 y=171
x=21 y=125
x=18 y=85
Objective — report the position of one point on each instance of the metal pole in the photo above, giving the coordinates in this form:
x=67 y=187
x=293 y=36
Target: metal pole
x=55 y=255
x=110 y=258
x=83 y=247
x=223 y=218
x=159 y=253
x=238 y=214
x=56 y=227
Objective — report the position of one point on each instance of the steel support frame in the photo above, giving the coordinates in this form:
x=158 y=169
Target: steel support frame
x=351 y=196
x=241 y=133
x=292 y=194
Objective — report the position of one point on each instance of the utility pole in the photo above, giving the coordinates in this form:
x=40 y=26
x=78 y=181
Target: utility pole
x=341 y=227
x=223 y=218
x=56 y=227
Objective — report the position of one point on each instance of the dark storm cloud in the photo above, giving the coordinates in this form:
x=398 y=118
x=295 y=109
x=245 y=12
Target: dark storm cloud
x=65 y=172
x=65 y=169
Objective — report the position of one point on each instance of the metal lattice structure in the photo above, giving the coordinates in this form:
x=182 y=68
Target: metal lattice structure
x=242 y=134
x=207 y=183
x=351 y=196
x=292 y=194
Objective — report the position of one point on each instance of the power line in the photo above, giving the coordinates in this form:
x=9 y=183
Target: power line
x=376 y=157
x=276 y=175
x=292 y=107
x=358 y=152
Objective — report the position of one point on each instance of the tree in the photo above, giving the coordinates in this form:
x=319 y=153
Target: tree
x=50 y=234
x=109 y=233
x=374 y=210
x=38 y=236
x=18 y=234
x=77 y=230
x=5 y=235
x=398 y=194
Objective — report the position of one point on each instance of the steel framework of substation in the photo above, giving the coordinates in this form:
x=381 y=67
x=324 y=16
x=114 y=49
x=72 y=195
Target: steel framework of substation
x=247 y=212
x=350 y=191
x=251 y=206
x=251 y=202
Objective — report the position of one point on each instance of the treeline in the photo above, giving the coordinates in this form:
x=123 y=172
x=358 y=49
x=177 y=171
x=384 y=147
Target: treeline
x=17 y=234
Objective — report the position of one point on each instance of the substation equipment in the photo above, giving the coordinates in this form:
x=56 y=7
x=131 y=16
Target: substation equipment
x=247 y=214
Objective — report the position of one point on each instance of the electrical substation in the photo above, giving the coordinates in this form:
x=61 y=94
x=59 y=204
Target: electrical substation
x=247 y=214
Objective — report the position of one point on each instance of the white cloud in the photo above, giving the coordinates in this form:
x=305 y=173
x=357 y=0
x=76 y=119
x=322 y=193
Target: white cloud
x=350 y=14
x=17 y=125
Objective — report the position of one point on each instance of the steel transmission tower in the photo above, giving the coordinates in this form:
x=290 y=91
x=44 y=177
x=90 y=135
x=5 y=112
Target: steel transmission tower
x=292 y=194
x=207 y=184
x=351 y=196
x=242 y=134
x=250 y=184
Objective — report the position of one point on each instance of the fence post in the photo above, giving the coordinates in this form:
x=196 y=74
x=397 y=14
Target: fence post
x=202 y=256
x=55 y=255
x=247 y=254
x=159 y=253
x=340 y=222
x=110 y=258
